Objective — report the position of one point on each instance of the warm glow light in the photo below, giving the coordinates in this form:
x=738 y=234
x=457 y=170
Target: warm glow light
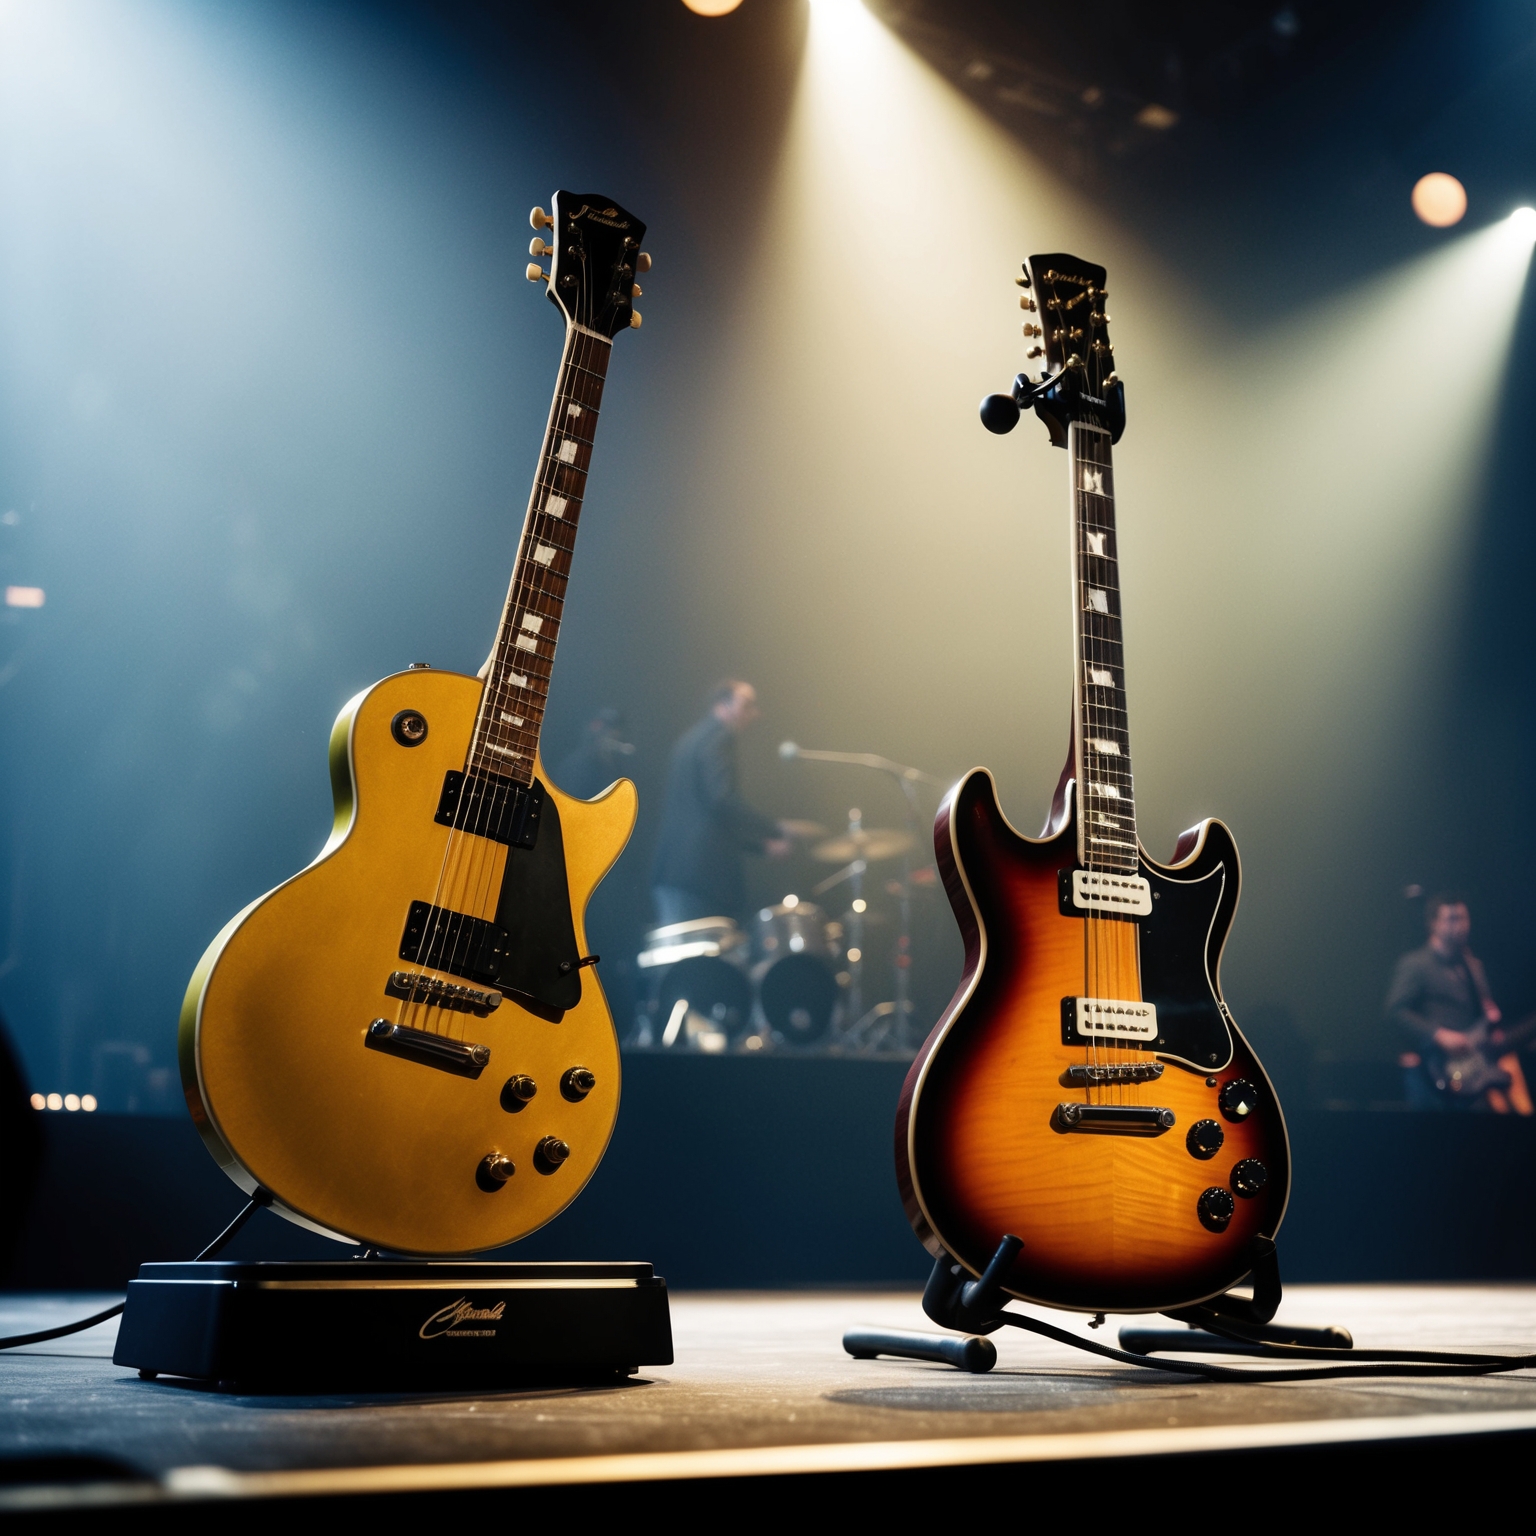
x=88 y=1102
x=1439 y=199
x=55 y=1101
x=711 y=7
x=71 y=1102
x=23 y=597
x=39 y=1102
x=1524 y=220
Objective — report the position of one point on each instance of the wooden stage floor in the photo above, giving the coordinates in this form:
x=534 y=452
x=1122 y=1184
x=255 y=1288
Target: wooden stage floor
x=761 y=1390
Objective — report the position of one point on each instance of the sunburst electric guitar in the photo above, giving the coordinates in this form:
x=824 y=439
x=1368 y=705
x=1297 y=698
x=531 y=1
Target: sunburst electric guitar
x=1087 y=1089
x=405 y=1044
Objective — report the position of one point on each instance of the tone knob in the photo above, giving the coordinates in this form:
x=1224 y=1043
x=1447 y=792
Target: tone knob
x=540 y=220
x=537 y=247
x=1238 y=1098
x=1249 y=1177
x=517 y=1091
x=1215 y=1209
x=578 y=1083
x=634 y=319
x=551 y=1152
x=1204 y=1139
x=642 y=262
x=494 y=1171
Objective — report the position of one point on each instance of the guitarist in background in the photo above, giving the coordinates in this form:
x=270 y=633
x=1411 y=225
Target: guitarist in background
x=1439 y=995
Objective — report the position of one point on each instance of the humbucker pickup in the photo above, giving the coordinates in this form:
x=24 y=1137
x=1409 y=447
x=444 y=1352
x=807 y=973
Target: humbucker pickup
x=453 y=941
x=436 y=993
x=1114 y=1119
x=1106 y=1018
x=491 y=806
x=1097 y=890
x=419 y=1045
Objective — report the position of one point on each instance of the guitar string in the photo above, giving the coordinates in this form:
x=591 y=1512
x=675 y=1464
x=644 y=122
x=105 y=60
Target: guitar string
x=469 y=862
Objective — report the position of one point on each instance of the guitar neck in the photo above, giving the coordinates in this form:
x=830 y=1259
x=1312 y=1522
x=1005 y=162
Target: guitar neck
x=517 y=682
x=1106 y=799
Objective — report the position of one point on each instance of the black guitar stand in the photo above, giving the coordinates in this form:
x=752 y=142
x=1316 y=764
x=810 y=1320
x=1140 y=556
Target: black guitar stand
x=1231 y=1323
x=384 y=1324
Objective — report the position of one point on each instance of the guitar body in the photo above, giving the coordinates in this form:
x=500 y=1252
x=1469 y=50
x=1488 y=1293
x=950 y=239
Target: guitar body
x=383 y=1148
x=1109 y=1221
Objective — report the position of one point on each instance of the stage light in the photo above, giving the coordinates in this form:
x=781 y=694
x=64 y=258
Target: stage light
x=711 y=7
x=24 y=597
x=55 y=1101
x=1439 y=200
x=1523 y=220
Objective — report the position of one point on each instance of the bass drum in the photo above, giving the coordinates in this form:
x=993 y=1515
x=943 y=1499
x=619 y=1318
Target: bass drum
x=798 y=995
x=796 y=987
x=703 y=1004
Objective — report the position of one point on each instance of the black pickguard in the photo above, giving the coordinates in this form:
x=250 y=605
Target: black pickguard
x=540 y=963
x=1175 y=942
x=530 y=949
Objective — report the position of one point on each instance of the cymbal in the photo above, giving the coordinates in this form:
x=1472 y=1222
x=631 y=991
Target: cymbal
x=804 y=830
x=872 y=843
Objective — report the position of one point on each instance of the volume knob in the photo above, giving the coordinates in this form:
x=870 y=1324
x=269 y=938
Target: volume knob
x=1215 y=1209
x=1204 y=1139
x=551 y=1152
x=1249 y=1177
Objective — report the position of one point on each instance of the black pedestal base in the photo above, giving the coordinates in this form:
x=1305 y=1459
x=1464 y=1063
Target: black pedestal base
x=394 y=1325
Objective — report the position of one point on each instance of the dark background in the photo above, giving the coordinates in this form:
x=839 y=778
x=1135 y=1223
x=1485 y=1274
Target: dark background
x=271 y=386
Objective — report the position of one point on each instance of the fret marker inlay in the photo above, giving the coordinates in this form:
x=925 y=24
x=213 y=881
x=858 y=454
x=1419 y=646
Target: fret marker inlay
x=1099 y=678
x=1097 y=599
x=543 y=553
x=1104 y=748
x=1095 y=544
x=568 y=450
x=556 y=506
x=532 y=623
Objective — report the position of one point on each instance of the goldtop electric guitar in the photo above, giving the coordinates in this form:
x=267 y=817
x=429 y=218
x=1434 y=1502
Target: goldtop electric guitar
x=1087 y=1089
x=405 y=1045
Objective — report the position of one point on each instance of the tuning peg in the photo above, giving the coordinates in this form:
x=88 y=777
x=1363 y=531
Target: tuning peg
x=540 y=220
x=536 y=247
x=1025 y=302
x=635 y=290
x=634 y=319
x=1023 y=280
x=1033 y=330
x=643 y=262
x=999 y=413
x=535 y=272
x=1035 y=352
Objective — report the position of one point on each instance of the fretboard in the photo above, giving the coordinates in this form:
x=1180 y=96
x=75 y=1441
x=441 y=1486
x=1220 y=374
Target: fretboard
x=517 y=683
x=1106 y=800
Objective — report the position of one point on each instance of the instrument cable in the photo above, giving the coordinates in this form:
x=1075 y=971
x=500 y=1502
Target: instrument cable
x=16 y=1340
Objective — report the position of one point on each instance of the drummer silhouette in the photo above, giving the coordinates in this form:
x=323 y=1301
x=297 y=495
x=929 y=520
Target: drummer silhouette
x=707 y=829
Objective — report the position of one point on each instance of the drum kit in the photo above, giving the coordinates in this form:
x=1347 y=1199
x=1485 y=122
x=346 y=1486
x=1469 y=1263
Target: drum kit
x=794 y=979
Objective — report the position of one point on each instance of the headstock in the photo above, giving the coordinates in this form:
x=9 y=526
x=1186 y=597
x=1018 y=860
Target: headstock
x=596 y=252
x=1064 y=300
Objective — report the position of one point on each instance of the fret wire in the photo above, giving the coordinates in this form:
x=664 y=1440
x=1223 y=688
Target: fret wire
x=517 y=683
x=1107 y=822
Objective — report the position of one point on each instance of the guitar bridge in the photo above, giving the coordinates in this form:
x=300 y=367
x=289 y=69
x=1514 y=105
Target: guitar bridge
x=419 y=1045
x=1113 y=1119
x=1119 y=1072
x=435 y=993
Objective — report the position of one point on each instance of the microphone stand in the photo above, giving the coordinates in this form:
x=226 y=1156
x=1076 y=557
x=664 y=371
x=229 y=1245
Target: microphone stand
x=908 y=778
